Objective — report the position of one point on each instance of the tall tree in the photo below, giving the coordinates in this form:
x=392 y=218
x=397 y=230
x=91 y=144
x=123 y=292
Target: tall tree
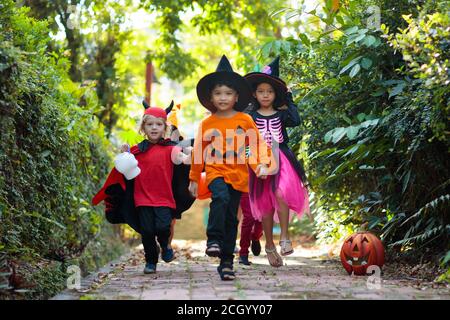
x=68 y=12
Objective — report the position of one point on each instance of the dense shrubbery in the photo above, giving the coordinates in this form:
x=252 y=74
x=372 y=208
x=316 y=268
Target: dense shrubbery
x=52 y=156
x=375 y=104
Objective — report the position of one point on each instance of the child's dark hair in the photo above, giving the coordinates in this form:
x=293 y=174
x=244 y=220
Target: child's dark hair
x=277 y=103
x=221 y=83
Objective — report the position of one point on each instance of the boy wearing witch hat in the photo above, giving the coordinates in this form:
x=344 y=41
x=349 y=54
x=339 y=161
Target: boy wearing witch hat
x=219 y=150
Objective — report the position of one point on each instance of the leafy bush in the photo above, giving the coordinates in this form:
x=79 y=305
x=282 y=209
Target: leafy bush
x=375 y=109
x=52 y=151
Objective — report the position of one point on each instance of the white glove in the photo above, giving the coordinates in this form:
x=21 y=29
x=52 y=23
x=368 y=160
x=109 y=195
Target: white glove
x=127 y=164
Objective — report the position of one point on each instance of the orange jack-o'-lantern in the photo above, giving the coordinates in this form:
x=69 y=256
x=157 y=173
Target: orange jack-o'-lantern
x=361 y=250
x=203 y=191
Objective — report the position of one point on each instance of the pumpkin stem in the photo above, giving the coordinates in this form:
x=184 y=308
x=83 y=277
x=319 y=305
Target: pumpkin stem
x=364 y=226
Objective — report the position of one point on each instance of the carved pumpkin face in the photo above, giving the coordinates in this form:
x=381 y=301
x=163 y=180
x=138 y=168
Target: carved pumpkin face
x=361 y=250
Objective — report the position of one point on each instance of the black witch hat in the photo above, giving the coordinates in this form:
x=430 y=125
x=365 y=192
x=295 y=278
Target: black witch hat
x=224 y=72
x=271 y=75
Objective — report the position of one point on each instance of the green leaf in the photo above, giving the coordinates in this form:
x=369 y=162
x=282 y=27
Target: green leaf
x=323 y=153
x=366 y=63
x=352 y=150
x=338 y=134
x=340 y=20
x=347 y=119
x=277 y=47
x=305 y=40
x=355 y=70
x=361 y=117
x=446 y=258
x=355 y=38
x=330 y=82
x=406 y=181
x=265 y=50
x=369 y=123
x=373 y=222
x=328 y=136
x=45 y=153
x=286 y=46
x=369 y=40
x=351 y=30
x=363 y=31
x=293 y=13
x=352 y=132
x=350 y=64
x=397 y=89
x=378 y=93
x=277 y=12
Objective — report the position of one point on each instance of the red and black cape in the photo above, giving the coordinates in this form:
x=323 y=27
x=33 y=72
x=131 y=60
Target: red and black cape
x=118 y=192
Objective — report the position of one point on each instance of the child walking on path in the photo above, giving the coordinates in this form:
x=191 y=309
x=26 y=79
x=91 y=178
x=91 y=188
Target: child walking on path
x=285 y=191
x=140 y=192
x=219 y=149
x=251 y=232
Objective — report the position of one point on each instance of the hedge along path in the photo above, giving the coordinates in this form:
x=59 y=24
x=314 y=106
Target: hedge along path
x=307 y=274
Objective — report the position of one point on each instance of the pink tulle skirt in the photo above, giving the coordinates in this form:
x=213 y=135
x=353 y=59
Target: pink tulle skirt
x=286 y=183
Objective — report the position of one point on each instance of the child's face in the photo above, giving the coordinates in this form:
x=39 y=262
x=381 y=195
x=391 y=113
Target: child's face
x=265 y=94
x=154 y=128
x=224 y=98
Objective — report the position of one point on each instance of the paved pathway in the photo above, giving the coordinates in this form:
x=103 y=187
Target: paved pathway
x=307 y=274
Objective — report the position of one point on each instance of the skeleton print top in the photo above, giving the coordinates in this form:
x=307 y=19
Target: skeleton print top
x=273 y=127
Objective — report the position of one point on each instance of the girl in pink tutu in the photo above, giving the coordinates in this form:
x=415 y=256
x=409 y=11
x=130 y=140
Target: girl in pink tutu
x=284 y=193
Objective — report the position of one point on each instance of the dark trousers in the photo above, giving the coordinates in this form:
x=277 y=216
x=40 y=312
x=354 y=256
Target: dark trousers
x=251 y=229
x=155 y=223
x=223 y=222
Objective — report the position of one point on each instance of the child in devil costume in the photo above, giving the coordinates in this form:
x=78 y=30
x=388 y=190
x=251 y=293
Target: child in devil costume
x=146 y=194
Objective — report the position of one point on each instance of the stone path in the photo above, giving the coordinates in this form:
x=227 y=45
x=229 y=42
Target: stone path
x=307 y=274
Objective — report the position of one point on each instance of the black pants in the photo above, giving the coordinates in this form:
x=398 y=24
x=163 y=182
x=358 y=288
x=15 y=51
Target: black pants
x=155 y=223
x=223 y=222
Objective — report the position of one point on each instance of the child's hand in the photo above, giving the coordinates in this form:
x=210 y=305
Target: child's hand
x=183 y=158
x=124 y=148
x=188 y=150
x=261 y=171
x=193 y=188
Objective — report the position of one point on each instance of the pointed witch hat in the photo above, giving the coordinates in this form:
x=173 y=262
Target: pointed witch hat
x=270 y=74
x=224 y=72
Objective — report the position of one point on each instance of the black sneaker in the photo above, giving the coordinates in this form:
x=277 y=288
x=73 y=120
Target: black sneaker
x=149 y=268
x=213 y=250
x=167 y=255
x=256 y=247
x=244 y=260
x=226 y=272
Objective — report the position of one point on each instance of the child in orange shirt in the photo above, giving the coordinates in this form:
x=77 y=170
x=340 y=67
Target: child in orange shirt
x=219 y=149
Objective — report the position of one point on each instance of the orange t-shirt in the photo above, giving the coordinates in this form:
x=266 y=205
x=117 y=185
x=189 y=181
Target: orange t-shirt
x=220 y=148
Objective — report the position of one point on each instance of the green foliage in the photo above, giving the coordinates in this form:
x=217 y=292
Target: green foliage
x=53 y=153
x=375 y=106
x=243 y=20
